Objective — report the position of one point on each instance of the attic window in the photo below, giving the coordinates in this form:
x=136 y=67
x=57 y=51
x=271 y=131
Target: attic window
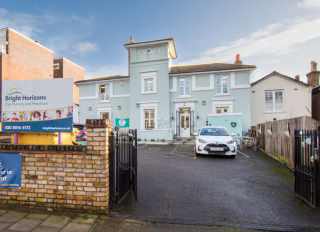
x=56 y=66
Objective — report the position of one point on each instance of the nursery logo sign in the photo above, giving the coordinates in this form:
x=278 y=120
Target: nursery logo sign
x=44 y=105
x=15 y=97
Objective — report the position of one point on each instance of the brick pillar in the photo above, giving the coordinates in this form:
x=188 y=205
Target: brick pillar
x=98 y=131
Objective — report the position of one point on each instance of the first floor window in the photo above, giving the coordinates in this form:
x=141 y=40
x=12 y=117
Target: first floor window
x=273 y=101
x=222 y=84
x=149 y=118
x=184 y=86
x=148 y=85
x=104 y=92
x=148 y=82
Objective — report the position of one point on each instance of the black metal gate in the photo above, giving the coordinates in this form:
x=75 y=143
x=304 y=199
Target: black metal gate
x=123 y=164
x=306 y=166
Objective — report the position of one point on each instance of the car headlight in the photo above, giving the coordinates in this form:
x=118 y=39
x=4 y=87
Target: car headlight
x=202 y=141
x=230 y=141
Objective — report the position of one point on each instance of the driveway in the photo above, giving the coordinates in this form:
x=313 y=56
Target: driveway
x=252 y=190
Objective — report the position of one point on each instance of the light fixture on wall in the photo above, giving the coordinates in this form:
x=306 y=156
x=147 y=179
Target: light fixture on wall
x=138 y=105
x=203 y=102
x=119 y=107
x=121 y=83
x=198 y=116
x=172 y=117
x=89 y=108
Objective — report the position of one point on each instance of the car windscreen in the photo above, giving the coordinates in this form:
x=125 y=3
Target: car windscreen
x=214 y=132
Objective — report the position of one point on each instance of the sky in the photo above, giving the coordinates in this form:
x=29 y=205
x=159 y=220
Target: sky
x=274 y=35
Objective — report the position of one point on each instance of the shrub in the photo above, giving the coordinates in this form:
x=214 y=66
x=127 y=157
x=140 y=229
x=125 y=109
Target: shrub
x=139 y=139
x=152 y=140
x=163 y=140
x=145 y=140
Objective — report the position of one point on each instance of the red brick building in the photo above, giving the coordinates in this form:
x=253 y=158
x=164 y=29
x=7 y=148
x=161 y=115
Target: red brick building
x=22 y=58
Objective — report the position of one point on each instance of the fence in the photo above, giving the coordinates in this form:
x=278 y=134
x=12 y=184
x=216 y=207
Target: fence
x=306 y=166
x=276 y=138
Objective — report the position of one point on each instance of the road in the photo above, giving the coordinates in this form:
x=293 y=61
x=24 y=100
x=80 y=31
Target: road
x=249 y=191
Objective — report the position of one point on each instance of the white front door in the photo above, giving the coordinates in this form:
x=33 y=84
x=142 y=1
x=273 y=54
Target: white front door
x=185 y=124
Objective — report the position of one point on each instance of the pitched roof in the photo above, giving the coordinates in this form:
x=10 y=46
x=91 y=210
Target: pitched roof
x=208 y=68
x=275 y=73
x=115 y=77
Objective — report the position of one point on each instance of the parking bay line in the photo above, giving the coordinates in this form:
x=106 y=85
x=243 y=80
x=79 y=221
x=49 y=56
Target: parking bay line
x=243 y=154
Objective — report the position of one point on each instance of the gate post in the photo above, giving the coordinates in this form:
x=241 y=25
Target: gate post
x=98 y=131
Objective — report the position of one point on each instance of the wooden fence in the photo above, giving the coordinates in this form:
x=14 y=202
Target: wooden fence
x=276 y=138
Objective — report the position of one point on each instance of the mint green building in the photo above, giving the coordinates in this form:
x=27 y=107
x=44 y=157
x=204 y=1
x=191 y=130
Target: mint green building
x=164 y=101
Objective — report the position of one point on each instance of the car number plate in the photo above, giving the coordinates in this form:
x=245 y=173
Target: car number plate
x=216 y=149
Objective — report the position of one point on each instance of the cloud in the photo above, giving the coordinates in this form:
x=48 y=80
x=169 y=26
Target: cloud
x=83 y=48
x=276 y=39
x=21 y=22
x=106 y=70
x=309 y=3
x=270 y=47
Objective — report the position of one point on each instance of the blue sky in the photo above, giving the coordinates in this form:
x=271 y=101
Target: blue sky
x=273 y=35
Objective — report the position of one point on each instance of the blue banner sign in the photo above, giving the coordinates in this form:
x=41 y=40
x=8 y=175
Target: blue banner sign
x=10 y=170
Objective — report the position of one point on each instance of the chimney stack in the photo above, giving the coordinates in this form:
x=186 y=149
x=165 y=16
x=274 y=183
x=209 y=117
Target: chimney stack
x=313 y=76
x=297 y=77
x=238 y=61
x=131 y=39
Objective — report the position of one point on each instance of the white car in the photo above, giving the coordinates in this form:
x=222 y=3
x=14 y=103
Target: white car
x=215 y=140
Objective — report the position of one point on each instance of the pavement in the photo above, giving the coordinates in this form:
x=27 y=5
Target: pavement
x=24 y=220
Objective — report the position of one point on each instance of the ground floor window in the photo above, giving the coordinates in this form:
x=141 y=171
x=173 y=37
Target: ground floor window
x=222 y=110
x=149 y=118
x=104 y=115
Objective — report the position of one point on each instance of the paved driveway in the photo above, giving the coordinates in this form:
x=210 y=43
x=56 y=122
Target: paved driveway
x=250 y=190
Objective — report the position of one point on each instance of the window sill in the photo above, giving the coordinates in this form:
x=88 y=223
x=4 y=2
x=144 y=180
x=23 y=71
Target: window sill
x=224 y=94
x=104 y=101
x=148 y=92
x=274 y=112
x=184 y=96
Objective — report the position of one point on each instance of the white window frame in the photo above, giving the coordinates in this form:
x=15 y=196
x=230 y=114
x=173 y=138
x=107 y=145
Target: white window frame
x=56 y=66
x=184 y=86
x=220 y=86
x=149 y=75
x=110 y=92
x=148 y=106
x=274 y=101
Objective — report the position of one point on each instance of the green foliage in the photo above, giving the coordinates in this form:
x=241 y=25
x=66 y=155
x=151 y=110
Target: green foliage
x=163 y=140
x=139 y=139
x=145 y=140
x=152 y=140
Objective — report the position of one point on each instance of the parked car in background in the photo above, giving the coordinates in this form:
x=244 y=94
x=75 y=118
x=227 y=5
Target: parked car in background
x=81 y=136
x=214 y=140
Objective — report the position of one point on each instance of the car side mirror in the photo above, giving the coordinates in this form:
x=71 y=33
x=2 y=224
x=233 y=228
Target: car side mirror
x=195 y=133
x=233 y=135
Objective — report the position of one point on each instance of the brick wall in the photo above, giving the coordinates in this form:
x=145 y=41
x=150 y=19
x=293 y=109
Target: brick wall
x=58 y=177
x=26 y=59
